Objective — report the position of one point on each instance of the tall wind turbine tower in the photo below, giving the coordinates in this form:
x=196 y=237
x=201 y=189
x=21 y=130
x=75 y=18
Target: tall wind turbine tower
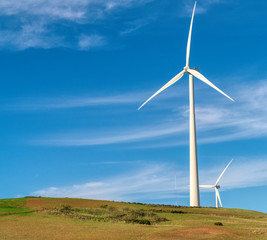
x=194 y=185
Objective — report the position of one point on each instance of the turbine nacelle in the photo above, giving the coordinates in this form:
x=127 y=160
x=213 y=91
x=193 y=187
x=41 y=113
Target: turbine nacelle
x=197 y=69
x=217 y=186
x=186 y=69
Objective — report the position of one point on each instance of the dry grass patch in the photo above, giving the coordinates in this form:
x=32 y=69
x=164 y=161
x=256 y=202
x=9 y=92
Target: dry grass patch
x=39 y=203
x=42 y=227
x=218 y=233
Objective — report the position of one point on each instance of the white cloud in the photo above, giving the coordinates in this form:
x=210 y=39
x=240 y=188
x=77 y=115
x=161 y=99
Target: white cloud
x=32 y=104
x=68 y=9
x=32 y=23
x=202 y=6
x=218 y=120
x=92 y=41
x=157 y=182
x=30 y=35
x=24 y=16
x=153 y=182
x=129 y=136
x=134 y=26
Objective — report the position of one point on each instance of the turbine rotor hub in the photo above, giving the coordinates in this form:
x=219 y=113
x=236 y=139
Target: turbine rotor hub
x=186 y=68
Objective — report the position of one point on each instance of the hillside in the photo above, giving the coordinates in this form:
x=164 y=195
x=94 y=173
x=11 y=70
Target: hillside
x=80 y=219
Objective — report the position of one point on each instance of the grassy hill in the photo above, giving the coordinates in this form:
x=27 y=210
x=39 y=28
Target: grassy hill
x=80 y=219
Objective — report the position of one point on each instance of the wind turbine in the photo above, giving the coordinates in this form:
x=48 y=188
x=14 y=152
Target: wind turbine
x=216 y=186
x=194 y=185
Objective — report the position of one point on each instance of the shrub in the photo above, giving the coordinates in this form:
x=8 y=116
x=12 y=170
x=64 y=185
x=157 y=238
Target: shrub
x=140 y=221
x=82 y=217
x=104 y=206
x=144 y=221
x=66 y=209
x=160 y=219
x=218 y=224
x=177 y=211
x=138 y=213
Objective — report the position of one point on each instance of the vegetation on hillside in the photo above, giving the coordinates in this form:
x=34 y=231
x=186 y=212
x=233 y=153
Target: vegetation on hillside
x=81 y=219
x=107 y=213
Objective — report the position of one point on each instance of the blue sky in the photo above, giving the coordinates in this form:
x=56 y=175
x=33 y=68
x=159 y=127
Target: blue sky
x=74 y=73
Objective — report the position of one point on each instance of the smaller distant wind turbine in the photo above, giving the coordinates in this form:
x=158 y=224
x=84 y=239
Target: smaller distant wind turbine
x=216 y=186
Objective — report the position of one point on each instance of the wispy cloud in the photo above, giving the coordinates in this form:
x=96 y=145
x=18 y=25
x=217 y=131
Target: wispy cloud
x=110 y=137
x=153 y=182
x=45 y=23
x=157 y=182
x=134 y=26
x=68 y=10
x=88 y=100
x=218 y=120
x=92 y=41
x=63 y=102
x=72 y=10
x=202 y=6
x=32 y=23
x=30 y=35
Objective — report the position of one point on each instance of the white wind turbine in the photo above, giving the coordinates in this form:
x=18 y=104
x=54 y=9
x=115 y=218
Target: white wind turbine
x=194 y=185
x=216 y=186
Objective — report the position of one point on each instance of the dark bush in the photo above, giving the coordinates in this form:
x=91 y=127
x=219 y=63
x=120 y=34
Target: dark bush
x=104 y=206
x=66 y=209
x=160 y=219
x=218 y=224
x=177 y=211
x=144 y=221
x=140 y=221
x=83 y=217
x=139 y=213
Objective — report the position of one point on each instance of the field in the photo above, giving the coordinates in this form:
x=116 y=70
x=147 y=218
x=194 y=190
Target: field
x=80 y=219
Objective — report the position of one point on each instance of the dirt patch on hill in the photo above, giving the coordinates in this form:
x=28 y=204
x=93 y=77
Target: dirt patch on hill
x=40 y=203
x=197 y=233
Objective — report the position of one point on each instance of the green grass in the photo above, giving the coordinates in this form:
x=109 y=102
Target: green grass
x=16 y=205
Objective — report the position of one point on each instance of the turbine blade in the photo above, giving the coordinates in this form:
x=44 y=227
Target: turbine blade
x=219 y=178
x=172 y=81
x=205 y=80
x=218 y=196
x=189 y=37
x=206 y=186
